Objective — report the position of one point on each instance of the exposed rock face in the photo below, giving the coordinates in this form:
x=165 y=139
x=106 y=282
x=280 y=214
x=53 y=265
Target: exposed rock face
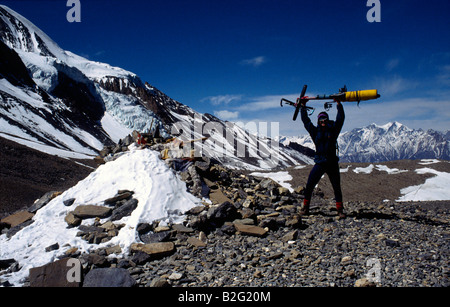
x=12 y=68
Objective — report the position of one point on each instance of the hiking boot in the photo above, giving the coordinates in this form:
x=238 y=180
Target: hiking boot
x=341 y=214
x=305 y=208
x=340 y=210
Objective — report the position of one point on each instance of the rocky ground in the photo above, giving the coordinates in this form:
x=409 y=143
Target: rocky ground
x=401 y=245
x=378 y=185
x=387 y=245
x=252 y=235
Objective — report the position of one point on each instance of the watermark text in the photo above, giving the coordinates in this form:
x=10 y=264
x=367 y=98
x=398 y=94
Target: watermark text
x=229 y=140
x=74 y=13
x=374 y=14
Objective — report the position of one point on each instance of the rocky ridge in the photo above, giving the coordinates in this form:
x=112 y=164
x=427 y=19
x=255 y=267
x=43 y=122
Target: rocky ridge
x=251 y=234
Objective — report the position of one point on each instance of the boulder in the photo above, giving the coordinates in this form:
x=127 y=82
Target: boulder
x=91 y=211
x=218 y=197
x=72 y=220
x=6 y=263
x=54 y=274
x=155 y=250
x=121 y=195
x=250 y=230
x=155 y=237
x=283 y=191
x=159 y=282
x=108 y=277
x=195 y=242
x=364 y=283
x=17 y=218
x=52 y=247
x=13 y=230
x=44 y=200
x=180 y=228
x=69 y=202
x=124 y=210
x=222 y=213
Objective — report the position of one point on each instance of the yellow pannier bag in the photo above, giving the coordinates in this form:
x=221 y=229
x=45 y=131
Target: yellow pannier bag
x=361 y=95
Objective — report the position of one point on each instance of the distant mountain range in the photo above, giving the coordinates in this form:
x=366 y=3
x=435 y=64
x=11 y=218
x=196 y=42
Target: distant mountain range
x=392 y=141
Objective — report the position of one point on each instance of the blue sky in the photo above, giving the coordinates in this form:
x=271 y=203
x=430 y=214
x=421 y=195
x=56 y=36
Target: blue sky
x=237 y=59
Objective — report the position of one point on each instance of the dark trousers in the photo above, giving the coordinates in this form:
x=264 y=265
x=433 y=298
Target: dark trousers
x=332 y=170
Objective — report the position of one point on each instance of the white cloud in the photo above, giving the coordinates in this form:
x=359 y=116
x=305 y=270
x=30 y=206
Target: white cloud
x=266 y=102
x=392 y=64
x=255 y=62
x=415 y=113
x=226 y=115
x=393 y=85
x=221 y=99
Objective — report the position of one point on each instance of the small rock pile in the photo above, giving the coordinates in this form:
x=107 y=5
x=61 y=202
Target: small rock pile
x=114 y=209
x=236 y=196
x=112 y=152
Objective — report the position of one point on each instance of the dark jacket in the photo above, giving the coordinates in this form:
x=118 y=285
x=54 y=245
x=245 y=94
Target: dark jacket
x=325 y=139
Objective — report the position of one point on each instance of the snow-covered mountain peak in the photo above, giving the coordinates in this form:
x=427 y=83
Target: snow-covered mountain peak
x=391 y=141
x=24 y=37
x=81 y=105
x=394 y=127
x=19 y=33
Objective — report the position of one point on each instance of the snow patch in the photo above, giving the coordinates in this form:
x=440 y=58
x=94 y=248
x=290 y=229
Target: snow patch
x=161 y=195
x=428 y=161
x=364 y=170
x=279 y=177
x=34 y=144
x=390 y=170
x=345 y=170
x=371 y=167
x=435 y=188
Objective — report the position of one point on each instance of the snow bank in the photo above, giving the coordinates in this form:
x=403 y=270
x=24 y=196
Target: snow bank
x=371 y=167
x=161 y=195
x=34 y=144
x=364 y=170
x=435 y=188
x=390 y=170
x=428 y=161
x=279 y=177
x=345 y=170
